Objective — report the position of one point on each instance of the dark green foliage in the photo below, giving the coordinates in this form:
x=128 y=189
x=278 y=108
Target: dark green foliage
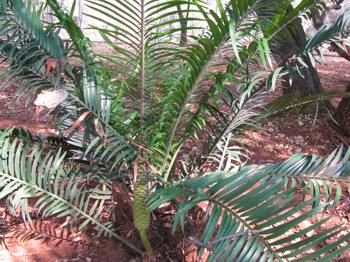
x=27 y=173
x=147 y=99
x=259 y=206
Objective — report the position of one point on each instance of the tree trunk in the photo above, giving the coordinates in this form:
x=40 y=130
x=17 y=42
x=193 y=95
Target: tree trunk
x=342 y=115
x=183 y=24
x=285 y=44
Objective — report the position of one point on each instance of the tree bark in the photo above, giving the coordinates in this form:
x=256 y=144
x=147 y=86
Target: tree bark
x=342 y=115
x=342 y=112
x=183 y=24
x=285 y=44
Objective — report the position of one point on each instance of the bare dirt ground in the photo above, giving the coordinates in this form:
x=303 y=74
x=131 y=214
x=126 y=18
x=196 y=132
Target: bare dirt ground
x=275 y=140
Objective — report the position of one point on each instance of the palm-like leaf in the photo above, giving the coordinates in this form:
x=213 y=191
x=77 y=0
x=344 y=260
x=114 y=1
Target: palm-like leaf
x=249 y=36
x=137 y=58
x=143 y=47
x=160 y=90
x=199 y=57
x=99 y=142
x=254 y=212
x=245 y=105
x=27 y=174
x=27 y=45
x=324 y=34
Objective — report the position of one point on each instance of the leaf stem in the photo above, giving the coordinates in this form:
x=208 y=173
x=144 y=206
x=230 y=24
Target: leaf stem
x=211 y=244
x=142 y=76
x=76 y=209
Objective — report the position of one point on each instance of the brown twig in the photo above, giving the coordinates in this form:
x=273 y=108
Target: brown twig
x=76 y=124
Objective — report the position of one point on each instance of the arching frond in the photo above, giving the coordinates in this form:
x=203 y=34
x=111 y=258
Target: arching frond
x=98 y=142
x=254 y=212
x=27 y=173
x=245 y=103
x=199 y=57
x=144 y=41
x=325 y=34
x=26 y=45
x=289 y=102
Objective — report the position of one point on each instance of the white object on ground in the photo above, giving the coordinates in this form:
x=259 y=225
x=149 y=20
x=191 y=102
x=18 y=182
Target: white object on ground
x=49 y=99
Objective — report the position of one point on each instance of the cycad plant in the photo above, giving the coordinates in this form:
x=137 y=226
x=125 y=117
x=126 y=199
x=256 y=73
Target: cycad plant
x=132 y=113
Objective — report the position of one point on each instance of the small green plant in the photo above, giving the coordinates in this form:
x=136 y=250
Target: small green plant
x=139 y=106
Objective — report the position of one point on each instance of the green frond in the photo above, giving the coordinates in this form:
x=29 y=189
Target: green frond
x=326 y=33
x=314 y=173
x=267 y=82
x=99 y=142
x=27 y=172
x=80 y=42
x=92 y=95
x=254 y=212
x=30 y=20
x=198 y=57
x=236 y=29
x=309 y=50
x=290 y=101
x=143 y=41
x=26 y=44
